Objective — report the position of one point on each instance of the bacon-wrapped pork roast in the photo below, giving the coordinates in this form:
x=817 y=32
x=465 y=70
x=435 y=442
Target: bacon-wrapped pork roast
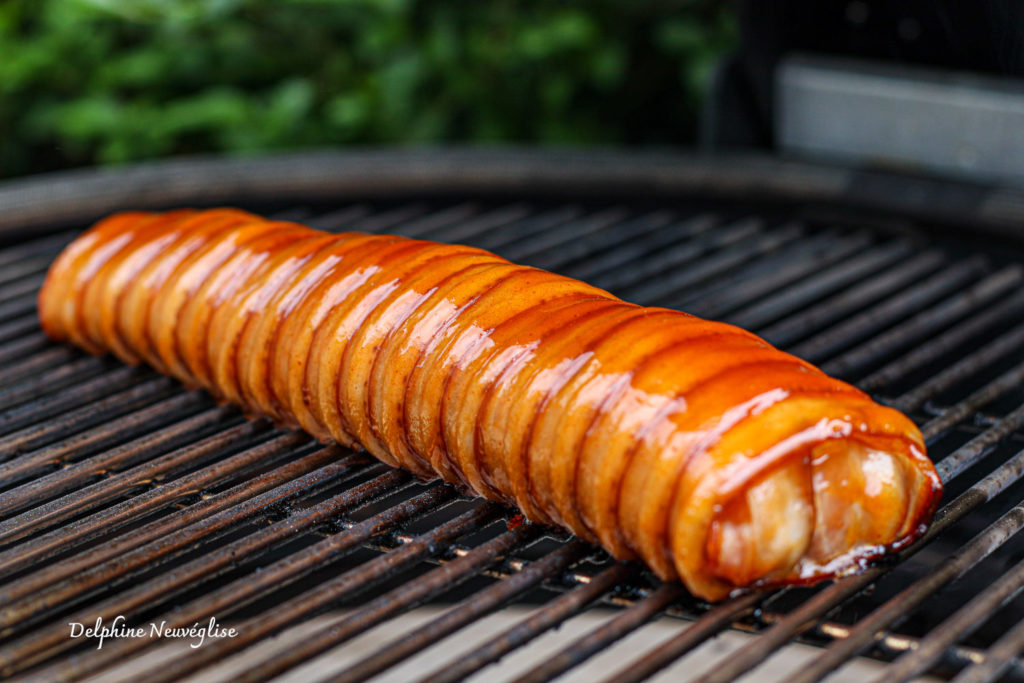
x=692 y=445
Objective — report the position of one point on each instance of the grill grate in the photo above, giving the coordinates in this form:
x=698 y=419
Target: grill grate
x=123 y=494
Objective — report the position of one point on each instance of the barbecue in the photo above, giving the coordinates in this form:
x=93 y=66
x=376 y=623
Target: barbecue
x=128 y=495
x=858 y=214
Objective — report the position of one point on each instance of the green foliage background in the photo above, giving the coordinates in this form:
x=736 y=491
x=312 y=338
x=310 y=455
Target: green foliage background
x=109 y=81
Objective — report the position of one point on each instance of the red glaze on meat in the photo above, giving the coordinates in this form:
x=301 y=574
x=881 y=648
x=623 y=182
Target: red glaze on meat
x=692 y=445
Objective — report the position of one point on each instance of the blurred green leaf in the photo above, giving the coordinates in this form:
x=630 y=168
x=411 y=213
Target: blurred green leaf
x=109 y=81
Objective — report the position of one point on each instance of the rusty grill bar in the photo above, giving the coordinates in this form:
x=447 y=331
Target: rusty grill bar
x=123 y=494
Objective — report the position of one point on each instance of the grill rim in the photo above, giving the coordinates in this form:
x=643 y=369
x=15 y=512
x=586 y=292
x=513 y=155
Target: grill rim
x=64 y=198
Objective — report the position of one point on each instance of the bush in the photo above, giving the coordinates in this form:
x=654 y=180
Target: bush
x=109 y=81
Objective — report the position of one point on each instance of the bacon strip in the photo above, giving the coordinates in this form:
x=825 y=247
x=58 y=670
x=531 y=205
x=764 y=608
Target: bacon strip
x=692 y=445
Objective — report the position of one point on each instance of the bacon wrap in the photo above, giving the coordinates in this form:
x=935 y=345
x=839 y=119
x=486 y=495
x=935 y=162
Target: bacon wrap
x=692 y=445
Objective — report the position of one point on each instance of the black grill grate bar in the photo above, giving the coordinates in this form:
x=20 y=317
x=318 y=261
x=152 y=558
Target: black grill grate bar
x=553 y=614
x=968 y=454
x=964 y=622
x=110 y=488
x=949 y=341
x=436 y=221
x=92 y=388
x=428 y=544
x=853 y=298
x=396 y=601
x=336 y=221
x=998 y=658
x=465 y=230
x=47 y=423
x=210 y=504
x=616 y=278
x=812 y=257
x=279 y=485
x=759 y=314
x=634 y=229
x=48 y=356
x=616 y=628
x=21 y=303
x=117 y=457
x=18 y=327
x=48 y=246
x=483 y=602
x=667 y=287
x=964 y=368
x=16 y=294
x=244 y=590
x=897 y=307
x=889 y=646
x=541 y=244
x=935 y=318
x=177 y=520
x=13 y=656
x=384 y=221
x=708 y=625
x=52 y=380
x=629 y=253
x=45 y=356
x=963 y=409
x=525 y=228
x=31 y=266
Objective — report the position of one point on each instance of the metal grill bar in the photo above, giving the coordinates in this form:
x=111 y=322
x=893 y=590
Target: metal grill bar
x=877 y=318
x=666 y=288
x=23 y=651
x=483 y=602
x=17 y=301
x=786 y=332
x=997 y=659
x=618 y=278
x=315 y=468
x=240 y=591
x=47 y=358
x=57 y=378
x=926 y=322
x=961 y=624
x=162 y=527
x=554 y=613
x=142 y=473
x=621 y=625
x=849 y=271
x=18 y=327
x=108 y=489
x=717 y=299
x=425 y=545
x=950 y=341
x=398 y=600
x=79 y=473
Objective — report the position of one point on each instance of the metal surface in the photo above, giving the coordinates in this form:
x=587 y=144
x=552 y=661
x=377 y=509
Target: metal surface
x=889 y=114
x=121 y=493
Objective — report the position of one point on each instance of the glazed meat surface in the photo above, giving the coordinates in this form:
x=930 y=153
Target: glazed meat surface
x=692 y=445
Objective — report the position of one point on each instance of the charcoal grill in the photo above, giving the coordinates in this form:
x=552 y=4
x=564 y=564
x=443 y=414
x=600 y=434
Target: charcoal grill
x=124 y=494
